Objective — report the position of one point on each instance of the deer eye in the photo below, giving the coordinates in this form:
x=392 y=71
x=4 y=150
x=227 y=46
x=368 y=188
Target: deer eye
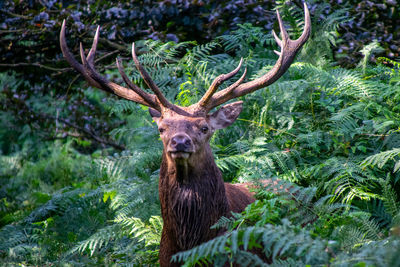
x=161 y=130
x=204 y=129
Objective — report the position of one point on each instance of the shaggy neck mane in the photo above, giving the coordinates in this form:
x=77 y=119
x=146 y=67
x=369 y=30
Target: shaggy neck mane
x=192 y=199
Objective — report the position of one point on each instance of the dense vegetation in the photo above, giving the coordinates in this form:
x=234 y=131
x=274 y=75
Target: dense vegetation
x=79 y=168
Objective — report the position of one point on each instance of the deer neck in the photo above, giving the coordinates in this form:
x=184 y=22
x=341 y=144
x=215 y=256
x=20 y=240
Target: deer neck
x=192 y=199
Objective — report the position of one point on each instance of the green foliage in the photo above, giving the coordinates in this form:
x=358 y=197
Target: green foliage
x=331 y=236
x=326 y=128
x=269 y=224
x=107 y=213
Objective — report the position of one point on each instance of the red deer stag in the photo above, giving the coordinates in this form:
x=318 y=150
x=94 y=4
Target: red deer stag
x=192 y=193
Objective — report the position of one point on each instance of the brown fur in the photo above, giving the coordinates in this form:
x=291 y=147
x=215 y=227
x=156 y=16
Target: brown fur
x=190 y=208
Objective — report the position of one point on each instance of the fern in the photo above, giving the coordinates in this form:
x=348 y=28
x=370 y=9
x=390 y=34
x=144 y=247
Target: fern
x=393 y=73
x=97 y=241
x=149 y=234
x=390 y=199
x=278 y=241
x=367 y=51
x=376 y=253
x=380 y=159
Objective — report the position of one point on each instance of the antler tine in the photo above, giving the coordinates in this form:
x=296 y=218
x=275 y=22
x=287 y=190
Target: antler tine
x=115 y=88
x=288 y=51
x=70 y=58
x=92 y=52
x=216 y=83
x=277 y=40
x=237 y=83
x=133 y=86
x=95 y=79
x=149 y=81
x=307 y=28
x=284 y=34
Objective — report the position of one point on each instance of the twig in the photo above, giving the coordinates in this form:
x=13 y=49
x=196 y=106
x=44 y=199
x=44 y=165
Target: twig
x=59 y=71
x=72 y=82
x=11 y=31
x=21 y=64
x=270 y=128
x=97 y=60
x=45 y=116
x=106 y=55
x=86 y=131
x=114 y=45
x=15 y=15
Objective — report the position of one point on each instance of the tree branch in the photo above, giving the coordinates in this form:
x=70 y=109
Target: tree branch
x=86 y=131
x=24 y=64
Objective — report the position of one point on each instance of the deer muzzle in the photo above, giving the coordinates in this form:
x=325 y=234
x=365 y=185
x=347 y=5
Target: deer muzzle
x=180 y=146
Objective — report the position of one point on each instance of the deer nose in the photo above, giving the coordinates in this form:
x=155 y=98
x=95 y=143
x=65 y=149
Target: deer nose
x=181 y=142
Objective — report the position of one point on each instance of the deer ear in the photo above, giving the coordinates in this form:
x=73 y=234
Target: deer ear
x=155 y=114
x=226 y=115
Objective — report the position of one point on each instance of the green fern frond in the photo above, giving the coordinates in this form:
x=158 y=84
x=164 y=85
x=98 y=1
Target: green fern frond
x=149 y=233
x=352 y=84
x=96 y=241
x=367 y=51
x=375 y=253
x=278 y=241
x=207 y=250
x=245 y=258
x=380 y=159
x=389 y=198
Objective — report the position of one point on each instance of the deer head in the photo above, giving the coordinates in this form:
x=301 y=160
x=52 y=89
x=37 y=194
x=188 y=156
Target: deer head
x=186 y=131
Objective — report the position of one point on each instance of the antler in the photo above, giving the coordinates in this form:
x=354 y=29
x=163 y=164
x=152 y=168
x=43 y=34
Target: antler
x=216 y=83
x=289 y=48
x=211 y=98
x=133 y=93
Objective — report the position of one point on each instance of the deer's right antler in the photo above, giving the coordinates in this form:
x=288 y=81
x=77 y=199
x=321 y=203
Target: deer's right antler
x=133 y=93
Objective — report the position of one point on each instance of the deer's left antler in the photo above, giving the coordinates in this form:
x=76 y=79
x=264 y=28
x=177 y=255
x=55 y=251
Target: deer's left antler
x=289 y=48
